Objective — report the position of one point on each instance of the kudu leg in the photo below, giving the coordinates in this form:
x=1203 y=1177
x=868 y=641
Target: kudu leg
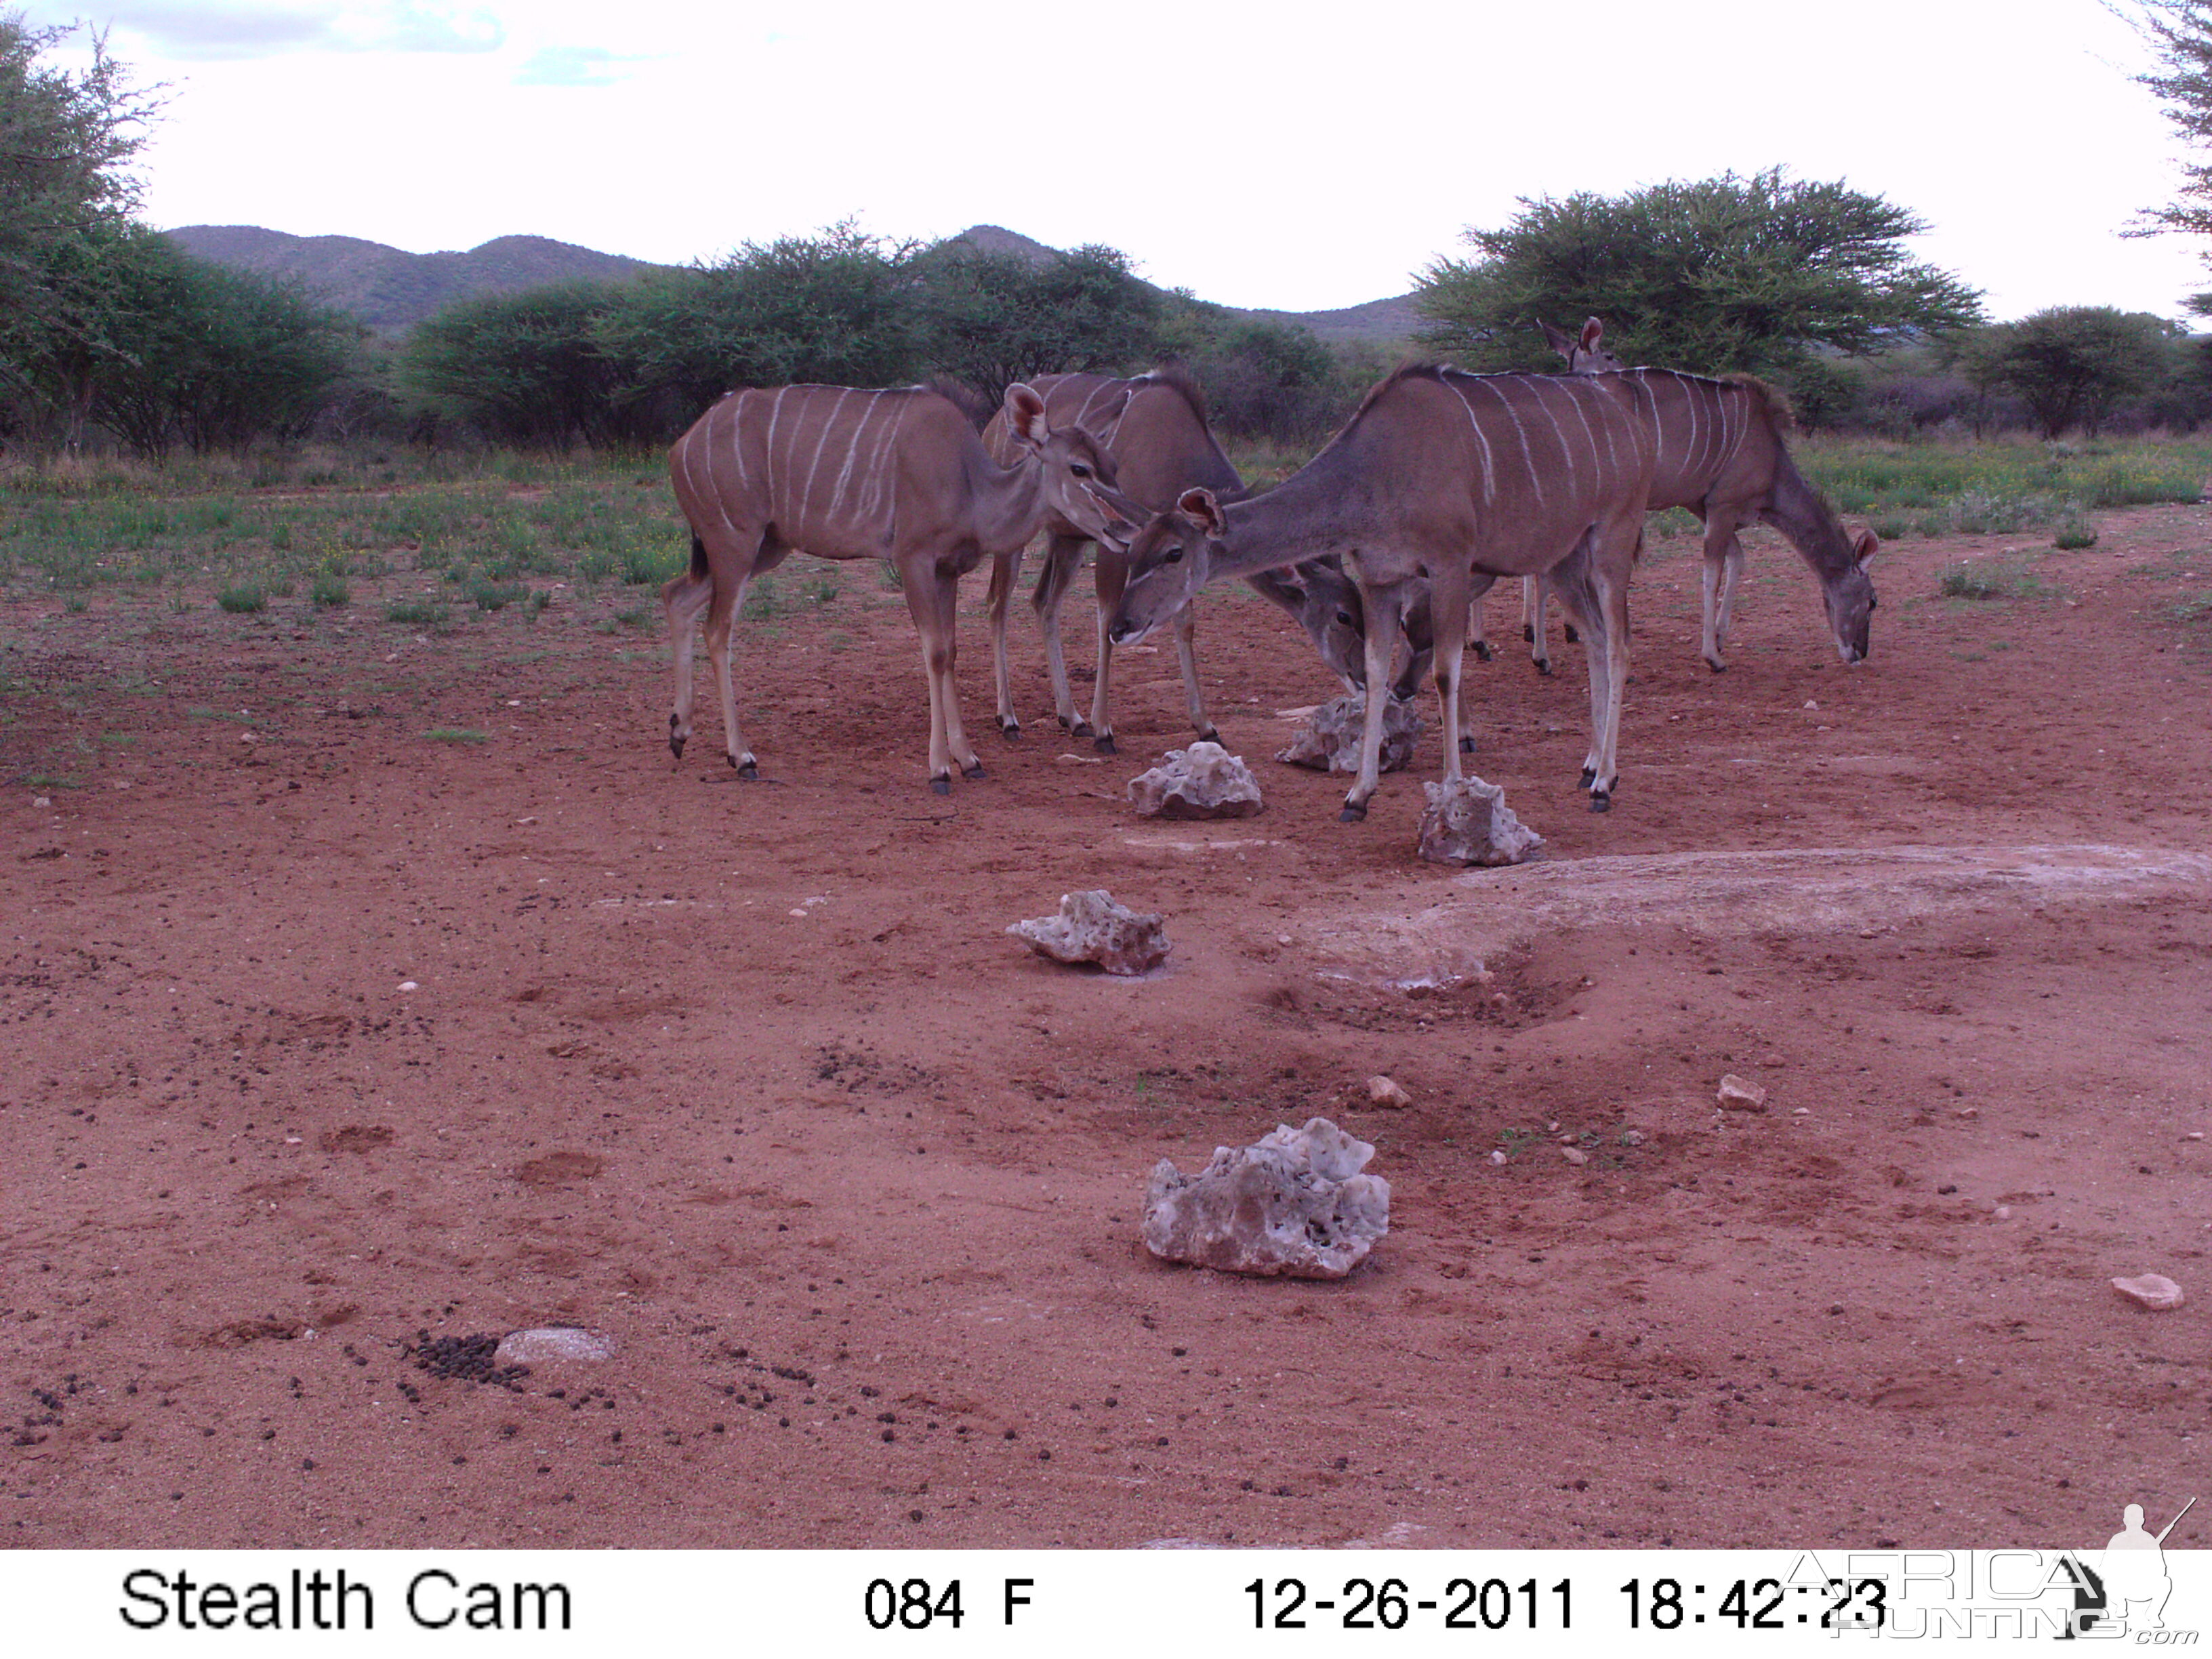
x=1611 y=583
x=685 y=600
x=1061 y=555
x=930 y=598
x=1005 y=573
x=1573 y=581
x=1382 y=614
x=1449 y=604
x=1111 y=576
x=1536 y=602
x=1477 y=638
x=1723 y=564
x=1731 y=578
x=721 y=615
x=1186 y=632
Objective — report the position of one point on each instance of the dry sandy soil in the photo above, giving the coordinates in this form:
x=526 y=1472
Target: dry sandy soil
x=750 y=1078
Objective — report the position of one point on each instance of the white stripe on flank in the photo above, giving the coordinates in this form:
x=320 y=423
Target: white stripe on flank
x=705 y=451
x=881 y=491
x=1083 y=414
x=768 y=452
x=852 y=449
x=1690 y=457
x=1558 y=432
x=1576 y=404
x=1527 y=457
x=829 y=420
x=1476 y=427
x=1122 y=413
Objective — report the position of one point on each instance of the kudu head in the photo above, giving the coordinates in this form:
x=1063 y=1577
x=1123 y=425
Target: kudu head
x=1585 y=352
x=1078 y=473
x=1850 y=597
x=1169 y=561
x=1326 y=604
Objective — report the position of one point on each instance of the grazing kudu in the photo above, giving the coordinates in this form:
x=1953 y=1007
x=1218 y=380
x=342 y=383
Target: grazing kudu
x=896 y=475
x=1720 y=454
x=1586 y=355
x=1155 y=427
x=1455 y=477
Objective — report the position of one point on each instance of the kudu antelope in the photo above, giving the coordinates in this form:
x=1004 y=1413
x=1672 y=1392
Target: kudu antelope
x=898 y=474
x=1720 y=454
x=1456 y=477
x=1155 y=427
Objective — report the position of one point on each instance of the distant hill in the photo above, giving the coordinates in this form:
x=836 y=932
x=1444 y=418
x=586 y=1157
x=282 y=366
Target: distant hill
x=389 y=288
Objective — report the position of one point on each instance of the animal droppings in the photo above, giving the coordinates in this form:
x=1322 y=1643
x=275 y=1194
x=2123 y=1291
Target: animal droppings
x=549 y=1343
x=1386 y=1091
x=1091 y=927
x=2152 y=1291
x=1202 y=782
x=1467 y=821
x=1737 y=1095
x=1294 y=1204
x=1330 y=740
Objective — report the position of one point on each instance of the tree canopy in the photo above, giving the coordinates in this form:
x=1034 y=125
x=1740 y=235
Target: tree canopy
x=2179 y=33
x=1753 y=273
x=2071 y=364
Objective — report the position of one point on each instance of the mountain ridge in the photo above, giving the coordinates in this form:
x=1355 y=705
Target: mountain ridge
x=390 y=289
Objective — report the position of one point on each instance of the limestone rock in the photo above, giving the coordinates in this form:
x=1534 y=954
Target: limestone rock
x=1467 y=821
x=2152 y=1291
x=1330 y=740
x=1737 y=1095
x=1294 y=1204
x=1387 y=1091
x=1202 y=782
x=1091 y=927
x=549 y=1343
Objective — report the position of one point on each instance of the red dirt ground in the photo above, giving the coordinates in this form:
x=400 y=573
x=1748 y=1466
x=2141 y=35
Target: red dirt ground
x=750 y=1079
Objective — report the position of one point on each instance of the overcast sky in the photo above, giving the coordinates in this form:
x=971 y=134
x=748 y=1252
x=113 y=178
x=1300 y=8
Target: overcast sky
x=1286 y=155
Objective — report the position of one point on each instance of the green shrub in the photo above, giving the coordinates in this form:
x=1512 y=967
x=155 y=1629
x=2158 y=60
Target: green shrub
x=2075 y=533
x=243 y=599
x=330 y=592
x=496 y=596
x=416 y=613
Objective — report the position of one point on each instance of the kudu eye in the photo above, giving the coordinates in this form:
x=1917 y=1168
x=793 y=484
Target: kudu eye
x=1079 y=470
x=1173 y=555
x=1345 y=616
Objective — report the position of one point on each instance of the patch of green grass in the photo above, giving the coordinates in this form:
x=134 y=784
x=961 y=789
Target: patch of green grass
x=2076 y=532
x=457 y=734
x=496 y=596
x=221 y=715
x=52 y=780
x=415 y=613
x=244 y=600
x=2196 y=608
x=330 y=592
x=1991 y=580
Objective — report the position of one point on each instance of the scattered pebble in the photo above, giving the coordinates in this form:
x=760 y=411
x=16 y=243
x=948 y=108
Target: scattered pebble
x=42 y=800
x=2004 y=1213
x=1497 y=1157
x=1574 y=1155
x=407 y=985
x=554 y=1342
x=1736 y=1095
x=2193 y=1135
x=1966 y=1111
x=1801 y=1111
x=2152 y=1291
x=1809 y=703
x=1632 y=1137
x=1385 y=1092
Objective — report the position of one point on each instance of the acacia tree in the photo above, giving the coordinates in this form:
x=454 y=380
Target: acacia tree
x=66 y=141
x=989 y=319
x=2071 y=364
x=1753 y=273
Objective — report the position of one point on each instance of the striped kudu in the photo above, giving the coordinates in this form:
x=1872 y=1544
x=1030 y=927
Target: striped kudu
x=1455 y=477
x=1720 y=454
x=1155 y=427
x=842 y=473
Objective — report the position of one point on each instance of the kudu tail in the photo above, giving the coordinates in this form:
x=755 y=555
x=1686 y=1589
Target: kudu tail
x=686 y=596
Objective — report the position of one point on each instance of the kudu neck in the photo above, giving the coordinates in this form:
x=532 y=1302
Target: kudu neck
x=1302 y=518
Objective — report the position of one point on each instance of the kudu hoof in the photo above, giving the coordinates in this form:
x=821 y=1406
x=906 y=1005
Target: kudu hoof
x=748 y=770
x=1544 y=666
x=1528 y=633
x=1352 y=814
x=1210 y=735
x=1467 y=745
x=1105 y=745
x=1588 y=777
x=973 y=774
x=1011 y=730
x=1482 y=650
x=1718 y=667
x=676 y=739
x=1601 y=800
x=1080 y=729
x=1573 y=638
x=940 y=786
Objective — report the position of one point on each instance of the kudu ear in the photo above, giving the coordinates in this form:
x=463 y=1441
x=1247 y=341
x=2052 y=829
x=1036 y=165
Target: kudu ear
x=1559 y=342
x=1592 y=332
x=1864 y=546
x=1025 y=414
x=1200 y=504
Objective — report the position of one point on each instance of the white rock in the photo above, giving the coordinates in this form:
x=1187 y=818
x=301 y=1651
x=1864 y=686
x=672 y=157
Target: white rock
x=1738 y=1095
x=1498 y=1158
x=2152 y=1291
x=1202 y=782
x=1294 y=1204
x=1387 y=1091
x=1574 y=1155
x=550 y=1343
x=406 y=984
x=1467 y=821
x=42 y=800
x=1091 y=927
x=1330 y=740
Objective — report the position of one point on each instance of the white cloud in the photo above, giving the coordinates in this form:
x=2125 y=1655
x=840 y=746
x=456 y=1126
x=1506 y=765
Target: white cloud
x=574 y=66
x=194 y=32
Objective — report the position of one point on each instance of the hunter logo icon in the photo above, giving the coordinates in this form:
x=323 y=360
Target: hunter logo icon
x=2136 y=1582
